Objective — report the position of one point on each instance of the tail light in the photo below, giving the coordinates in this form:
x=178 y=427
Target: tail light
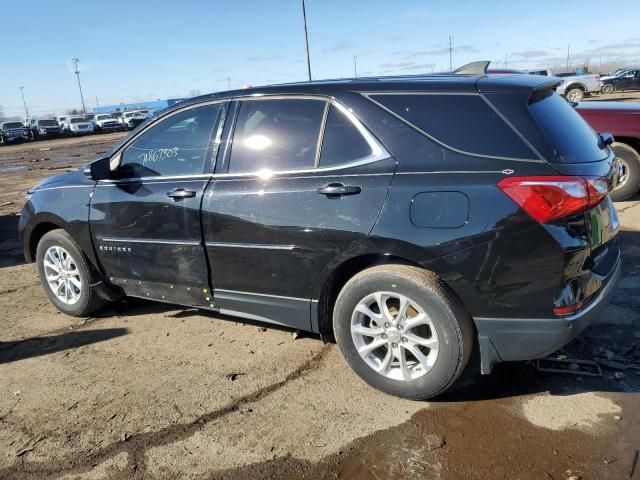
x=551 y=197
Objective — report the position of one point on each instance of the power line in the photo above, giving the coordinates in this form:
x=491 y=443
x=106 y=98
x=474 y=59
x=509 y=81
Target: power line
x=76 y=61
x=306 y=39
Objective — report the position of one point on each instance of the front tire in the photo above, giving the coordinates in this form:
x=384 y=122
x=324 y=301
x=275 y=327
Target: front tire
x=401 y=330
x=608 y=88
x=629 y=181
x=66 y=276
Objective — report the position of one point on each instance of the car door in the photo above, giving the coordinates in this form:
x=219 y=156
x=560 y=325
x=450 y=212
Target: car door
x=145 y=221
x=301 y=182
x=626 y=81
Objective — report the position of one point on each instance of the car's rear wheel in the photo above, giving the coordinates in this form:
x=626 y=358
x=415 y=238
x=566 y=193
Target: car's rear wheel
x=65 y=275
x=575 y=95
x=402 y=331
x=608 y=88
x=629 y=179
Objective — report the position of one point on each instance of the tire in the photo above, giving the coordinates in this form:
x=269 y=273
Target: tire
x=58 y=245
x=608 y=88
x=630 y=180
x=575 y=94
x=447 y=323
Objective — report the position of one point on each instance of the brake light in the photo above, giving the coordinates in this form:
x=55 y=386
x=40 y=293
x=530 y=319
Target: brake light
x=547 y=198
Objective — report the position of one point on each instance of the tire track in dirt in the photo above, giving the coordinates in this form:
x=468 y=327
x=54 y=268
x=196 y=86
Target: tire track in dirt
x=138 y=444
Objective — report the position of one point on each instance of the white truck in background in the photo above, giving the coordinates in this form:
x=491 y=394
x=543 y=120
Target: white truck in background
x=574 y=87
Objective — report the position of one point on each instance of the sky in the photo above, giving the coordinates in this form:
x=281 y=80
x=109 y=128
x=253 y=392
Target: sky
x=140 y=50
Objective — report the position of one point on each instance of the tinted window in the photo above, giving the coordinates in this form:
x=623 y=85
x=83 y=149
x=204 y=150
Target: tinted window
x=342 y=142
x=178 y=145
x=571 y=136
x=276 y=135
x=464 y=122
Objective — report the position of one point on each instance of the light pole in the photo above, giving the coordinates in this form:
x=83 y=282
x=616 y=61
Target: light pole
x=355 y=66
x=228 y=83
x=75 y=61
x=306 y=39
x=26 y=110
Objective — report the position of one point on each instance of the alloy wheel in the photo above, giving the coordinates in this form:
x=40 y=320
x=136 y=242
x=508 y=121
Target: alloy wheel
x=62 y=275
x=394 y=336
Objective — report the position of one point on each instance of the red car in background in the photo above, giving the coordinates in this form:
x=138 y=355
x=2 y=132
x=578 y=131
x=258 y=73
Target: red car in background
x=622 y=120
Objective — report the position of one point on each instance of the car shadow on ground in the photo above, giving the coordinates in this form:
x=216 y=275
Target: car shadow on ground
x=44 y=345
x=10 y=248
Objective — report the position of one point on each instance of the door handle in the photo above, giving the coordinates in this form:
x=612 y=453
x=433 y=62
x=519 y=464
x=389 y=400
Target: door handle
x=338 y=190
x=180 y=193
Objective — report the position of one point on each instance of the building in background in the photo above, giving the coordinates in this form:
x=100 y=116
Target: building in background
x=152 y=106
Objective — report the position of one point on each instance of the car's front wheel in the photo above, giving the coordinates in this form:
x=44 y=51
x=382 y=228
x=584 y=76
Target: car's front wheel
x=402 y=331
x=65 y=275
x=608 y=88
x=629 y=179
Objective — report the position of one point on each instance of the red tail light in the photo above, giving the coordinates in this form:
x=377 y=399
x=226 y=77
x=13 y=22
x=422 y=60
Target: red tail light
x=552 y=197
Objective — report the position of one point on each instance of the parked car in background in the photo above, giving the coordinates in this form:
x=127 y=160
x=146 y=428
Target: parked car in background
x=132 y=119
x=356 y=210
x=78 y=126
x=574 y=87
x=44 y=128
x=62 y=121
x=13 y=132
x=625 y=80
x=105 y=122
x=622 y=120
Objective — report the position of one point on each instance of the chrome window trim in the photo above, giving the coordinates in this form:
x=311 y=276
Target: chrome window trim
x=155 y=179
x=368 y=95
x=192 y=243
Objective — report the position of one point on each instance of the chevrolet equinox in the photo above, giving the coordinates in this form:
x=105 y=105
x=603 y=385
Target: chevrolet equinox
x=412 y=219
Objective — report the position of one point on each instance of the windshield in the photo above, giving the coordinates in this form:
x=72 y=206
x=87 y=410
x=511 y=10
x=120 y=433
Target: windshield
x=47 y=123
x=573 y=139
x=12 y=125
x=103 y=117
x=78 y=120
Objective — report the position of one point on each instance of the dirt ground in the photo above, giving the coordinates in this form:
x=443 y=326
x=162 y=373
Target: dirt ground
x=154 y=391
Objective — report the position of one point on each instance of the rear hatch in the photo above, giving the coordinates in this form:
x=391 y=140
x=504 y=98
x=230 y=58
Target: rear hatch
x=587 y=166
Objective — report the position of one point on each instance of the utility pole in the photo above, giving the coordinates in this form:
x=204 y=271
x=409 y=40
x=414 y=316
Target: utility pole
x=568 y=48
x=306 y=39
x=450 y=53
x=26 y=110
x=97 y=103
x=75 y=61
x=228 y=83
x=505 y=59
x=355 y=66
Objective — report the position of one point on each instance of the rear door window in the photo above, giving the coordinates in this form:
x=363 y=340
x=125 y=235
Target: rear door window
x=276 y=134
x=461 y=122
x=342 y=142
x=573 y=139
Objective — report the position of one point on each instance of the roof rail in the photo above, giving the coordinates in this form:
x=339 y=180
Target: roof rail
x=473 y=68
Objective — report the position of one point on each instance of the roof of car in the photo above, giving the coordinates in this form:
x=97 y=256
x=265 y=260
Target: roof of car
x=447 y=82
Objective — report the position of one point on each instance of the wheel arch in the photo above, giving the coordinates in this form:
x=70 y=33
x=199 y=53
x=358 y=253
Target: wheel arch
x=573 y=85
x=632 y=142
x=38 y=230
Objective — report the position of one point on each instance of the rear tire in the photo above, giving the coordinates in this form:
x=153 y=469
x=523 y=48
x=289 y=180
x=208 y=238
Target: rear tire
x=575 y=95
x=66 y=276
x=630 y=181
x=415 y=355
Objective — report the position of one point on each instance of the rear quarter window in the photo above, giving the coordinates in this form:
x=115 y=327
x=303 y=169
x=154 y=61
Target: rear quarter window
x=462 y=122
x=572 y=138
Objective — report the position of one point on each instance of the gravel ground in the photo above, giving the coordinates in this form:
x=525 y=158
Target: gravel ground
x=155 y=391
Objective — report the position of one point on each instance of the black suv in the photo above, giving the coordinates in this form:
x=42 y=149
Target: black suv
x=413 y=219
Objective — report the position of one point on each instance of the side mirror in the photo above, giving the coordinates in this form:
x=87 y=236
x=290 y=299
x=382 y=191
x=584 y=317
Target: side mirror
x=98 y=170
x=606 y=139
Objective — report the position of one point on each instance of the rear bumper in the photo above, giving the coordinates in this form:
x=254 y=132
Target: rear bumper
x=513 y=339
